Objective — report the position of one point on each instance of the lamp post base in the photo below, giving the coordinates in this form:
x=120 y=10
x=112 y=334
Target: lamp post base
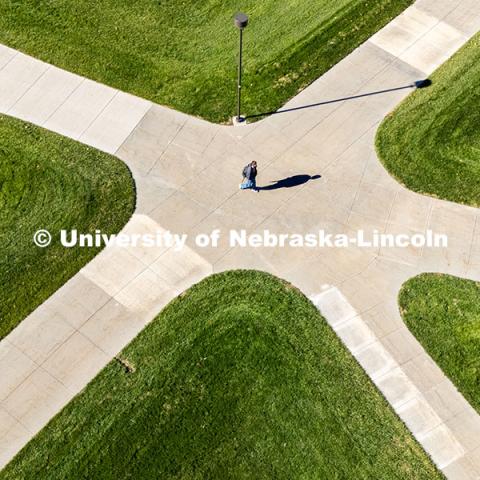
x=238 y=121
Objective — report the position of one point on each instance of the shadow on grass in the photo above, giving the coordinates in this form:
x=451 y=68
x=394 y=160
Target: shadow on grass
x=418 y=84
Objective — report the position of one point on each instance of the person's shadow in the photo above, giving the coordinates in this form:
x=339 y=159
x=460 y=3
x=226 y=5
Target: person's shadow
x=290 y=182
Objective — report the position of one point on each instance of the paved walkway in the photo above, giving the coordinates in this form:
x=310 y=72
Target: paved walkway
x=187 y=170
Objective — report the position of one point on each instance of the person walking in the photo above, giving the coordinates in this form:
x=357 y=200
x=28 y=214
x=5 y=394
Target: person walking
x=249 y=177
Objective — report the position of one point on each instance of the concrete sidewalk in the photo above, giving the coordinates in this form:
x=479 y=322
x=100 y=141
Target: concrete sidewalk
x=186 y=171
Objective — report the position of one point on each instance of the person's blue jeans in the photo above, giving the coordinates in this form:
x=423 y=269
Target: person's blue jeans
x=249 y=184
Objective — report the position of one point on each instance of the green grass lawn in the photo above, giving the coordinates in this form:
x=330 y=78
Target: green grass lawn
x=183 y=54
x=443 y=312
x=48 y=181
x=239 y=377
x=431 y=142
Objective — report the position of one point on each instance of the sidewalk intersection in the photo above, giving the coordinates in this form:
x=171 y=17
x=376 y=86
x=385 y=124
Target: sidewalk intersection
x=186 y=172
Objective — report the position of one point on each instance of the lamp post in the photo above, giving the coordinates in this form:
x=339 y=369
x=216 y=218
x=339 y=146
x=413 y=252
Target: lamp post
x=240 y=21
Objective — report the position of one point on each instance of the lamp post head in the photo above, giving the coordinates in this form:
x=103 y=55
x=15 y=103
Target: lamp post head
x=240 y=20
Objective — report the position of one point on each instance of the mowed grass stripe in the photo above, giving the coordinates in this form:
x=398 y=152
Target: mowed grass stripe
x=443 y=312
x=183 y=54
x=239 y=377
x=51 y=182
x=431 y=142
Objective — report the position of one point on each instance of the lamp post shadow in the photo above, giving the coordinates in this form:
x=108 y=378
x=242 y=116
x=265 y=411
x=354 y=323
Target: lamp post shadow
x=419 y=84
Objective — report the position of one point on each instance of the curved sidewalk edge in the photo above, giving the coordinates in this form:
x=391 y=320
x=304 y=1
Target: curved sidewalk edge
x=63 y=344
x=439 y=417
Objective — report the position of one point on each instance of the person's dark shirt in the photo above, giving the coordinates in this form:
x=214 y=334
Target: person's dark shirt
x=252 y=173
